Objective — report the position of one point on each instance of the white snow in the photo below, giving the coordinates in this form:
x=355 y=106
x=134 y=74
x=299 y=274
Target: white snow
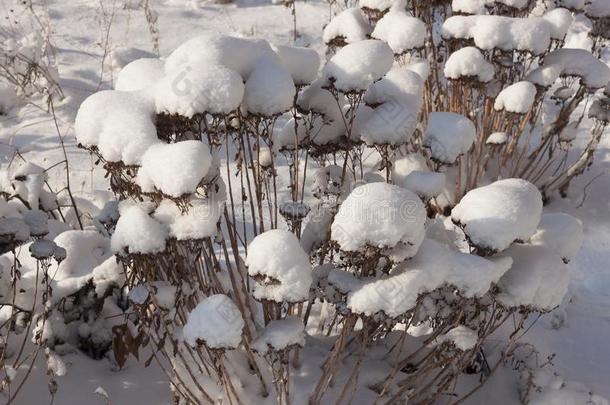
x=140 y=74
x=578 y=62
x=391 y=123
x=468 y=62
x=279 y=266
x=499 y=32
x=105 y=117
x=380 y=5
x=136 y=232
x=538 y=278
x=559 y=20
x=496 y=215
x=401 y=31
x=497 y=138
x=269 y=89
x=196 y=89
x=461 y=337
x=383 y=216
x=434 y=266
x=280 y=334
x=448 y=135
x=425 y=184
x=399 y=85
x=348 y=25
x=469 y=6
x=302 y=63
x=407 y=164
x=356 y=66
x=561 y=233
x=216 y=321
x=197 y=223
x=174 y=169
x=516 y=98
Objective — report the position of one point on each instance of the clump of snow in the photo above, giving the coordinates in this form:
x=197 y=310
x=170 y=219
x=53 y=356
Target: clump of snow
x=13 y=230
x=269 y=89
x=538 y=278
x=468 y=62
x=105 y=118
x=496 y=215
x=399 y=85
x=8 y=98
x=497 y=138
x=469 y=6
x=238 y=54
x=302 y=63
x=499 y=32
x=174 y=169
x=356 y=66
x=407 y=164
x=461 y=337
x=581 y=63
x=559 y=20
x=425 y=184
x=448 y=136
x=140 y=74
x=348 y=25
x=279 y=266
x=136 y=232
x=280 y=335
x=85 y=250
x=516 y=98
x=380 y=215
x=391 y=123
x=562 y=233
x=198 y=222
x=600 y=110
x=434 y=266
x=401 y=31
x=198 y=89
x=37 y=221
x=216 y=321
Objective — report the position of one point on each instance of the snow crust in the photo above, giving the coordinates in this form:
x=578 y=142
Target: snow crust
x=496 y=215
x=216 y=321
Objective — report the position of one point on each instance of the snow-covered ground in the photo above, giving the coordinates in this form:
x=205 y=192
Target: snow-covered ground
x=581 y=343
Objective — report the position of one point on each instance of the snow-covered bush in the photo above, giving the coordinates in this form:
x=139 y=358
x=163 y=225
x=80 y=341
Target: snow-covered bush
x=429 y=140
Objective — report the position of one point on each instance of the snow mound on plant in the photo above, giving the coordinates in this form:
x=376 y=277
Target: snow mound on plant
x=380 y=215
x=174 y=169
x=104 y=119
x=448 y=136
x=468 y=62
x=562 y=62
x=140 y=74
x=391 y=123
x=356 y=66
x=216 y=321
x=562 y=233
x=348 y=25
x=499 y=32
x=302 y=63
x=426 y=184
x=597 y=8
x=279 y=266
x=269 y=89
x=461 y=337
x=84 y=251
x=198 y=222
x=280 y=335
x=559 y=20
x=198 y=89
x=401 y=31
x=537 y=279
x=496 y=215
x=399 y=85
x=516 y=98
x=434 y=266
x=136 y=232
